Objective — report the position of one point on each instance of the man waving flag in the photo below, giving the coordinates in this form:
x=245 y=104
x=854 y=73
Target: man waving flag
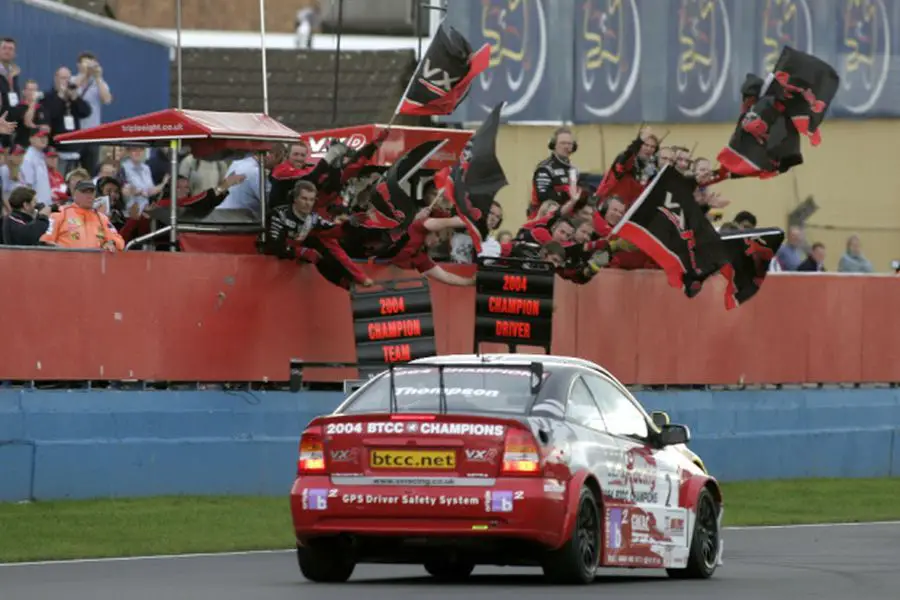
x=668 y=224
x=444 y=75
x=472 y=183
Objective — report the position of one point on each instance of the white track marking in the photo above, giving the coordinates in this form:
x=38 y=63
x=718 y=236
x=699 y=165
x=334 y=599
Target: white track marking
x=814 y=525
x=78 y=561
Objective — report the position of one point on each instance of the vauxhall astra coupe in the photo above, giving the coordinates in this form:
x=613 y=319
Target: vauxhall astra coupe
x=456 y=461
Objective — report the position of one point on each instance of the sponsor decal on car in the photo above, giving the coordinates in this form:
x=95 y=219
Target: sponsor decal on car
x=455 y=391
x=553 y=486
x=412 y=459
x=416 y=428
x=314 y=499
x=488 y=455
x=501 y=501
x=409 y=500
x=613 y=536
x=342 y=456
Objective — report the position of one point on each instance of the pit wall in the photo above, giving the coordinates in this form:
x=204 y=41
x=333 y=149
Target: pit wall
x=164 y=316
x=72 y=444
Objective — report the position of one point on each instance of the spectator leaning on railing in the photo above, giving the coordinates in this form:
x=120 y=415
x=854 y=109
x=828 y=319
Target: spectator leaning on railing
x=80 y=225
x=853 y=260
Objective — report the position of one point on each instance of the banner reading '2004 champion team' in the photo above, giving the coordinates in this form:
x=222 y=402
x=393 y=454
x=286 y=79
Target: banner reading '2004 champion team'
x=672 y=61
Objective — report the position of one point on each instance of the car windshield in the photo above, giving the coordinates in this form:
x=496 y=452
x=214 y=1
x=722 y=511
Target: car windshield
x=468 y=389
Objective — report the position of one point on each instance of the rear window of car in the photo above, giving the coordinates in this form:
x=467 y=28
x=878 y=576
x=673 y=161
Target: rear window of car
x=483 y=389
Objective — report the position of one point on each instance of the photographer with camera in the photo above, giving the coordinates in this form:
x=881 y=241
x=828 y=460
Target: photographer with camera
x=94 y=90
x=65 y=108
x=28 y=220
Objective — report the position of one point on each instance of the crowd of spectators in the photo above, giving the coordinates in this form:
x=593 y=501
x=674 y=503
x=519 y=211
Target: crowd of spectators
x=335 y=216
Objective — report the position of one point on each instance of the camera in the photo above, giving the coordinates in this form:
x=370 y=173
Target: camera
x=73 y=86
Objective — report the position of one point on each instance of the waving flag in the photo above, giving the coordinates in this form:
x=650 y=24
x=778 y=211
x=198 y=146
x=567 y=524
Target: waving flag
x=667 y=224
x=444 y=75
x=791 y=102
x=750 y=252
x=808 y=86
x=390 y=199
x=472 y=184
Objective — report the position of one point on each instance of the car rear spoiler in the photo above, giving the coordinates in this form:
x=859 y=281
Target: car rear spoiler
x=535 y=368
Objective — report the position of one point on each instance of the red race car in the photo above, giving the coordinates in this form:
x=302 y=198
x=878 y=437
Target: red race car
x=458 y=461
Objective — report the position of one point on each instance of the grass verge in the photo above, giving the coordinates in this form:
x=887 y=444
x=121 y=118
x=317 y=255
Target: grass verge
x=176 y=525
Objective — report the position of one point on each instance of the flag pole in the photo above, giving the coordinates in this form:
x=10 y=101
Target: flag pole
x=262 y=47
x=418 y=62
x=337 y=63
x=178 y=50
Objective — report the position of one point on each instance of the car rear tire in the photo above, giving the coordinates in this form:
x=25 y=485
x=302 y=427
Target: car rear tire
x=705 y=542
x=575 y=563
x=449 y=570
x=325 y=561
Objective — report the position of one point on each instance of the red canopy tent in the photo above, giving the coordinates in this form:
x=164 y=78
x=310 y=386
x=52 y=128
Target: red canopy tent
x=400 y=141
x=208 y=134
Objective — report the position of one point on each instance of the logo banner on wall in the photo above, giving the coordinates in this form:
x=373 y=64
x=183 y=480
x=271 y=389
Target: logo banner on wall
x=865 y=46
x=640 y=60
x=514 y=302
x=393 y=323
x=608 y=54
x=519 y=34
x=700 y=56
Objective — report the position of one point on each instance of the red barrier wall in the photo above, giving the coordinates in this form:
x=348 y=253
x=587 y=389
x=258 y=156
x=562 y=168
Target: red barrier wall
x=204 y=317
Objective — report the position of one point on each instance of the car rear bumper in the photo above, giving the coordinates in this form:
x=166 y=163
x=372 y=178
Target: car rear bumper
x=525 y=508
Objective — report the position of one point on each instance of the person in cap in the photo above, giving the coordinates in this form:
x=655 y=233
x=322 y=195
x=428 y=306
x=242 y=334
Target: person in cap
x=58 y=188
x=34 y=172
x=80 y=225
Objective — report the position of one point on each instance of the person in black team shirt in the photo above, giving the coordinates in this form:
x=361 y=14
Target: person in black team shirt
x=551 y=177
x=296 y=232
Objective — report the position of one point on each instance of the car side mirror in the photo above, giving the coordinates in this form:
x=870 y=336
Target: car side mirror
x=674 y=434
x=660 y=418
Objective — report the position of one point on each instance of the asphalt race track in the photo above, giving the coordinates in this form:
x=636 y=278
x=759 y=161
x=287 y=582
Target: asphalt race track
x=821 y=562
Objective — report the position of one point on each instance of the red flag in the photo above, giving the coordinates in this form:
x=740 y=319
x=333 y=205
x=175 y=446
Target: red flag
x=444 y=75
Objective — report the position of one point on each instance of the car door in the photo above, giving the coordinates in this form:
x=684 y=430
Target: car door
x=644 y=485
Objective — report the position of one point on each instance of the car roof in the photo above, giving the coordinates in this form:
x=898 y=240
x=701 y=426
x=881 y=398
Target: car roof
x=513 y=359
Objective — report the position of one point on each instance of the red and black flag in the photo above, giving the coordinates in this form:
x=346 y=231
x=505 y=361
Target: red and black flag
x=749 y=252
x=668 y=224
x=473 y=182
x=394 y=205
x=808 y=86
x=774 y=114
x=444 y=75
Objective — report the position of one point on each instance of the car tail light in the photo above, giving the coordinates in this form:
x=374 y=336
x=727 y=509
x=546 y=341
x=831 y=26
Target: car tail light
x=521 y=455
x=312 y=452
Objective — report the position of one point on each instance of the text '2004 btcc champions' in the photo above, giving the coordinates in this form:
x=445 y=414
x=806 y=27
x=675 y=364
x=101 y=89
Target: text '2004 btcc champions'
x=457 y=461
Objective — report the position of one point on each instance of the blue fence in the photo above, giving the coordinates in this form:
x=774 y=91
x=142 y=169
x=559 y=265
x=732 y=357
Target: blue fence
x=135 y=66
x=117 y=444
x=630 y=61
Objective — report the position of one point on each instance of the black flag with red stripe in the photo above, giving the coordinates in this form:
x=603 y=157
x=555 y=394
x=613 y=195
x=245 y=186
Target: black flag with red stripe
x=444 y=75
x=472 y=183
x=395 y=207
x=790 y=103
x=750 y=252
x=668 y=224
